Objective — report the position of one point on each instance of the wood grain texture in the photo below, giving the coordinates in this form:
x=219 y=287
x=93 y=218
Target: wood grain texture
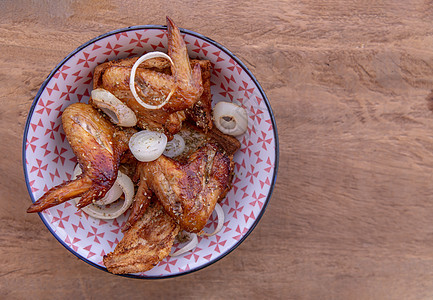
x=350 y=83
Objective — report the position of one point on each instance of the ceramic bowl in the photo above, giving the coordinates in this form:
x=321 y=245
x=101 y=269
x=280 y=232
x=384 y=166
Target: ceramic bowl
x=48 y=159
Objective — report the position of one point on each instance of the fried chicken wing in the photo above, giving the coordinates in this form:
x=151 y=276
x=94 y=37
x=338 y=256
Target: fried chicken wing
x=155 y=79
x=189 y=190
x=115 y=79
x=188 y=81
x=144 y=245
x=195 y=138
x=98 y=145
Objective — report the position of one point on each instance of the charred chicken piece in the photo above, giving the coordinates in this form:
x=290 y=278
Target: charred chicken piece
x=98 y=145
x=189 y=190
x=145 y=244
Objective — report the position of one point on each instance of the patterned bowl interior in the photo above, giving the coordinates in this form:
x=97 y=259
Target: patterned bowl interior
x=49 y=161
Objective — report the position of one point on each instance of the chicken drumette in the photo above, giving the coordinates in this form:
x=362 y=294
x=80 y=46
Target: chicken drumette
x=98 y=145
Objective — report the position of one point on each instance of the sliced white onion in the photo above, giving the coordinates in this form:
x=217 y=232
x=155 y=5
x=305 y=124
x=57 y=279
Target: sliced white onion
x=230 y=118
x=175 y=147
x=220 y=215
x=147 y=145
x=119 y=113
x=112 y=195
x=192 y=243
x=132 y=79
x=107 y=207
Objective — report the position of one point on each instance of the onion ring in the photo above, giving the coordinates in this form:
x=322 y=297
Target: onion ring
x=230 y=118
x=119 y=113
x=147 y=145
x=132 y=79
x=106 y=207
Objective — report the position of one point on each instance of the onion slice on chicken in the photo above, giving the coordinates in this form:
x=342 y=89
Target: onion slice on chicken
x=230 y=118
x=132 y=79
x=119 y=113
x=108 y=207
x=175 y=147
x=147 y=145
x=192 y=243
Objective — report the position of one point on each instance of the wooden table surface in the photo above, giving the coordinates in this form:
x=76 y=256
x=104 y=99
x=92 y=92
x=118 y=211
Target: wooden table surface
x=350 y=84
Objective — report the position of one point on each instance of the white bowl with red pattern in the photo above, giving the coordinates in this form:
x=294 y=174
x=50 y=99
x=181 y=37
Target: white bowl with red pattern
x=48 y=159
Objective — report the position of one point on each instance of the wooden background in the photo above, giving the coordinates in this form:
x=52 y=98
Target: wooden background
x=350 y=83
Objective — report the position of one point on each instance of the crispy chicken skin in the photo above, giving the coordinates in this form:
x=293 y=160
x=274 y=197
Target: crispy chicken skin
x=98 y=145
x=189 y=190
x=145 y=244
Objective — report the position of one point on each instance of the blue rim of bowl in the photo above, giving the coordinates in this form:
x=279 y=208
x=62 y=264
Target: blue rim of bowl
x=189 y=32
